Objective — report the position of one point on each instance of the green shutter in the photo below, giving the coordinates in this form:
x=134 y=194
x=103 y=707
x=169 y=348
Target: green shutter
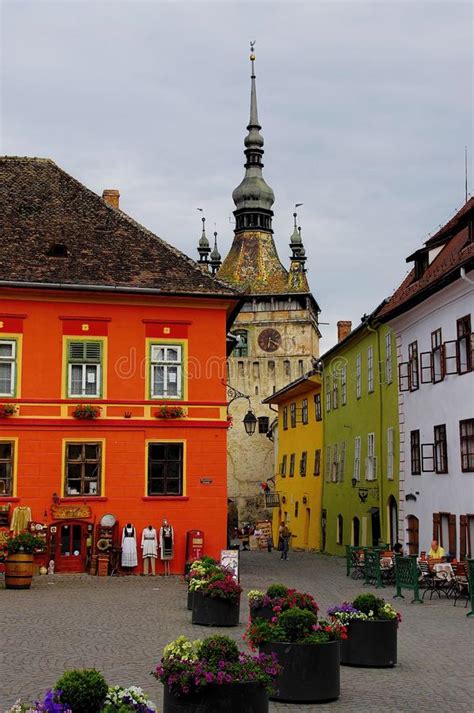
x=85 y=352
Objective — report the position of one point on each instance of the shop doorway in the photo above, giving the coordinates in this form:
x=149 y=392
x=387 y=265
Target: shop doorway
x=375 y=516
x=412 y=534
x=355 y=531
x=393 y=520
x=307 y=521
x=323 y=529
x=68 y=546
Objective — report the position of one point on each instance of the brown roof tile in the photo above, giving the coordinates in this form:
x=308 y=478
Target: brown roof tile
x=42 y=206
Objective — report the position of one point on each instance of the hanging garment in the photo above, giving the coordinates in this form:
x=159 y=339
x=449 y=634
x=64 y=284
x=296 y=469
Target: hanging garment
x=129 y=547
x=20 y=519
x=149 y=542
x=166 y=542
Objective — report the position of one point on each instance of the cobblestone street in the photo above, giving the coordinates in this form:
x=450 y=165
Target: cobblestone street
x=120 y=625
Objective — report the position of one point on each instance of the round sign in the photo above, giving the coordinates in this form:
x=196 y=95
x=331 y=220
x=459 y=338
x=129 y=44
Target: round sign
x=108 y=520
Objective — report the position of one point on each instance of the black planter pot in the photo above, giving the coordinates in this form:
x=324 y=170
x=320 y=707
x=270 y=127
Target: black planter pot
x=212 y=611
x=190 y=600
x=228 y=698
x=265 y=612
x=311 y=672
x=370 y=643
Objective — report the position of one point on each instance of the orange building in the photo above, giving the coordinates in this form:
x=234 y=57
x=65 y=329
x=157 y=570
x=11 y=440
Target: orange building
x=96 y=311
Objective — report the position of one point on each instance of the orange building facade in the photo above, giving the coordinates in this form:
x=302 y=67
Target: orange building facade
x=129 y=351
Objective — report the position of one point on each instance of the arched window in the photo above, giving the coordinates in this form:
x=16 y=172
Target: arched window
x=355 y=532
x=340 y=530
x=241 y=348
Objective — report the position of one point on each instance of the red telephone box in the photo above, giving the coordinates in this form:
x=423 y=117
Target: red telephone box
x=194 y=545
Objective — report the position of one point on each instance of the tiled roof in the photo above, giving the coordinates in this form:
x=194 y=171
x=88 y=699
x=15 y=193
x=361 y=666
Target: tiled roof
x=456 y=252
x=42 y=206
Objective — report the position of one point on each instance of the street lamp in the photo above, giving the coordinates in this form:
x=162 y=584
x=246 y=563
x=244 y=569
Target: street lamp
x=250 y=423
x=250 y=420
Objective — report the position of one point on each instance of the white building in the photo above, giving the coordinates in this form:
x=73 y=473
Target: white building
x=432 y=316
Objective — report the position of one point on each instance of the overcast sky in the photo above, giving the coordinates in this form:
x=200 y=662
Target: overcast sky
x=365 y=107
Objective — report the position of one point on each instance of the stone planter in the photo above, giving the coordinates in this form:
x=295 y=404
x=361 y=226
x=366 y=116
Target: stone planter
x=370 y=643
x=264 y=612
x=18 y=570
x=213 y=611
x=228 y=698
x=311 y=672
x=190 y=600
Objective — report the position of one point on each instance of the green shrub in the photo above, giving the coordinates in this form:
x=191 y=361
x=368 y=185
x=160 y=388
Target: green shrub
x=83 y=690
x=297 y=624
x=276 y=590
x=368 y=603
x=218 y=648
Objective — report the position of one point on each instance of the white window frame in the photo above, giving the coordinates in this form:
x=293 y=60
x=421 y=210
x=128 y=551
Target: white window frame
x=358 y=377
x=334 y=464
x=356 y=470
x=84 y=366
x=342 y=461
x=390 y=453
x=327 y=465
x=166 y=364
x=388 y=358
x=328 y=393
x=370 y=369
x=370 y=461
x=343 y=385
x=11 y=360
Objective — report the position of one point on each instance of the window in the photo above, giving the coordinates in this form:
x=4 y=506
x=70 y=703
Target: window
x=327 y=389
x=256 y=370
x=317 y=462
x=343 y=385
x=166 y=371
x=300 y=367
x=370 y=369
x=304 y=411
x=327 y=465
x=271 y=368
x=7 y=367
x=83 y=469
x=84 y=369
x=241 y=349
x=240 y=368
x=466 y=434
x=335 y=392
x=317 y=407
x=390 y=453
x=358 y=376
x=7 y=451
x=465 y=344
x=165 y=469
x=292 y=465
x=340 y=530
x=388 y=358
x=287 y=368
x=334 y=464
x=283 y=467
x=285 y=418
x=441 y=450
x=356 y=470
x=413 y=366
x=296 y=508
x=437 y=356
x=303 y=463
x=342 y=461
x=293 y=415
x=263 y=424
x=415 y=451
x=370 y=462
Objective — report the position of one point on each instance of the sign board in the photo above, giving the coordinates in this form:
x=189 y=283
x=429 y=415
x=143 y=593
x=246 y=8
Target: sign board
x=70 y=512
x=230 y=558
x=264 y=527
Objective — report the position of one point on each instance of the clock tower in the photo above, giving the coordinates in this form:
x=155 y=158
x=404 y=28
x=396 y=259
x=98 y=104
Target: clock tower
x=277 y=328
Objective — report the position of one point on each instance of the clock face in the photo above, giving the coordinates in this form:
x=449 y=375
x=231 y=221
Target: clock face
x=269 y=340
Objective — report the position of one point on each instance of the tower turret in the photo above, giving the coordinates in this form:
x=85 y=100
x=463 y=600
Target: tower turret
x=204 y=248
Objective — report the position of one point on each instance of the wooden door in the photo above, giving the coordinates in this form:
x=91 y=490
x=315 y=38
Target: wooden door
x=413 y=534
x=70 y=547
x=307 y=520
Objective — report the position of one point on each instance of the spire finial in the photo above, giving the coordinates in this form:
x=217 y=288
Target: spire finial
x=216 y=260
x=203 y=245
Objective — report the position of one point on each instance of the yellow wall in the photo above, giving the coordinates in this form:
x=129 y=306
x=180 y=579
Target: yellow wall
x=300 y=496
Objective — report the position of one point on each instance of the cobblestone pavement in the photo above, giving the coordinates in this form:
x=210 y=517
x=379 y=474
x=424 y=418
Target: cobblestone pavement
x=120 y=625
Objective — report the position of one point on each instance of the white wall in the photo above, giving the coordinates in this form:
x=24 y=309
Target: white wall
x=446 y=402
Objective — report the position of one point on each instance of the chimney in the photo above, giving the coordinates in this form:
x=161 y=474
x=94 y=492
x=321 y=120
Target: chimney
x=111 y=196
x=343 y=329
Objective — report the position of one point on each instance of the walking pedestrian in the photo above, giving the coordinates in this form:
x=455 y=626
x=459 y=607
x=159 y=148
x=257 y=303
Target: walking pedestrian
x=285 y=540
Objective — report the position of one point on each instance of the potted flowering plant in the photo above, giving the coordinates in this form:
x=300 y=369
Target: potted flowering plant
x=51 y=703
x=199 y=570
x=170 y=412
x=87 y=411
x=7 y=410
x=133 y=698
x=213 y=676
x=19 y=562
x=216 y=600
x=308 y=651
x=372 y=628
x=278 y=598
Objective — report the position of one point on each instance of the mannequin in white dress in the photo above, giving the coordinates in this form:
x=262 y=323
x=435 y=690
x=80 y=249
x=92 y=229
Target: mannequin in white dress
x=149 y=549
x=166 y=539
x=129 y=546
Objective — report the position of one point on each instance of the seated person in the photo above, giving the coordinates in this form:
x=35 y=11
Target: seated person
x=398 y=548
x=436 y=552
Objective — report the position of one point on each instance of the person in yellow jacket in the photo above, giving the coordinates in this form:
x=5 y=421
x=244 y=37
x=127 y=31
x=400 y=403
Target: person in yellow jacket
x=436 y=552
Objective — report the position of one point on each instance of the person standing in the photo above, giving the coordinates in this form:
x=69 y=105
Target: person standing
x=285 y=541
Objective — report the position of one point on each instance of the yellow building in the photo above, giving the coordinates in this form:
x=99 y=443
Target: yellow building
x=298 y=479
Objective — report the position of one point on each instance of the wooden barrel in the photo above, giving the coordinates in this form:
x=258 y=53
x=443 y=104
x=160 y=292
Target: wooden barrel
x=18 y=570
